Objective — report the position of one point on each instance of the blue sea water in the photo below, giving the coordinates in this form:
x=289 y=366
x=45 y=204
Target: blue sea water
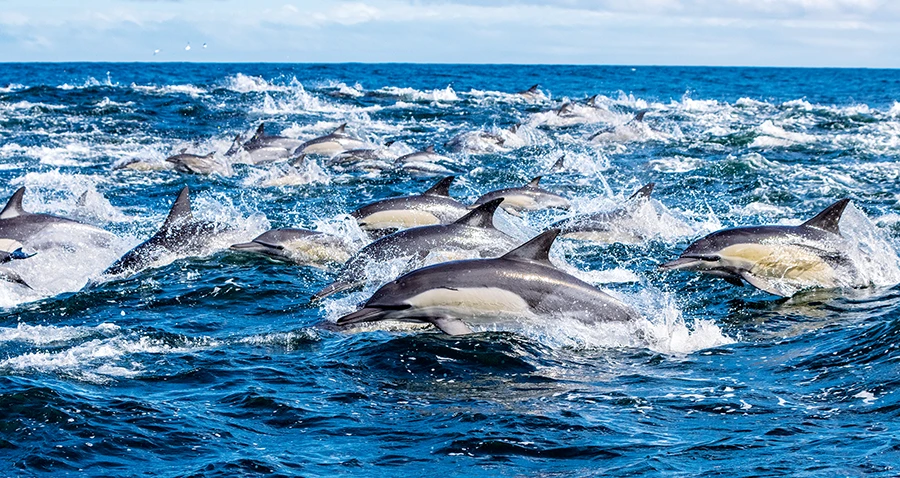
x=219 y=365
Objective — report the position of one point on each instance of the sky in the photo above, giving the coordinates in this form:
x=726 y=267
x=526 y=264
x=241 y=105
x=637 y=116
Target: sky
x=808 y=33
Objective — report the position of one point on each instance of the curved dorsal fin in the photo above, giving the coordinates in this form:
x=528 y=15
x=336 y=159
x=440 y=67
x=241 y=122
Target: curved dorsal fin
x=429 y=150
x=182 y=150
x=565 y=108
x=340 y=129
x=14 y=206
x=533 y=89
x=559 y=165
x=82 y=200
x=644 y=192
x=481 y=216
x=590 y=101
x=260 y=132
x=180 y=212
x=441 y=188
x=827 y=220
x=535 y=250
x=534 y=182
x=210 y=155
x=235 y=146
x=297 y=160
x=639 y=116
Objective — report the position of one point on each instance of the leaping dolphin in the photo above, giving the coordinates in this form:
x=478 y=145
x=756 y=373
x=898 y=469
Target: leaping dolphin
x=530 y=197
x=19 y=227
x=179 y=234
x=434 y=206
x=520 y=284
x=333 y=143
x=777 y=259
x=199 y=164
x=264 y=148
x=473 y=232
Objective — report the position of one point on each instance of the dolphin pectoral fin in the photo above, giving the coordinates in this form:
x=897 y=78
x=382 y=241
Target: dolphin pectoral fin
x=735 y=281
x=761 y=283
x=451 y=326
x=19 y=254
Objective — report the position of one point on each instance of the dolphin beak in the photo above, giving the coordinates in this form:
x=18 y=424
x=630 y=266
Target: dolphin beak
x=680 y=263
x=366 y=314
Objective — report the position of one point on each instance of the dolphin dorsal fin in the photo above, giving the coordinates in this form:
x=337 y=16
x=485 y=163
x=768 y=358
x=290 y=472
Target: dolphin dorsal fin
x=182 y=150
x=340 y=129
x=559 y=165
x=441 y=188
x=297 y=160
x=210 y=155
x=82 y=200
x=180 y=212
x=827 y=220
x=481 y=216
x=639 y=116
x=534 y=182
x=14 y=206
x=533 y=89
x=535 y=250
x=429 y=150
x=260 y=132
x=643 y=193
x=235 y=146
x=565 y=108
x=592 y=100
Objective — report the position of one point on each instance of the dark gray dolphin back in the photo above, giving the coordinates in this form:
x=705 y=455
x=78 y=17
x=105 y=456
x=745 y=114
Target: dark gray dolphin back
x=481 y=216
x=441 y=188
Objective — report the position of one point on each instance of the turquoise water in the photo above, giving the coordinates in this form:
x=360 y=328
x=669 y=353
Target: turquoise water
x=219 y=366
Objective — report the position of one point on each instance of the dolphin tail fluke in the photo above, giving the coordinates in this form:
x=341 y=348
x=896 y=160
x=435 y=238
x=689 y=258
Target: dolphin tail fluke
x=535 y=250
x=482 y=216
x=14 y=206
x=441 y=188
x=827 y=220
x=643 y=193
x=366 y=314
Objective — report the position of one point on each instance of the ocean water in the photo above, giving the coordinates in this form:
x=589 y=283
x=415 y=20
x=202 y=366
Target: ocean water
x=219 y=366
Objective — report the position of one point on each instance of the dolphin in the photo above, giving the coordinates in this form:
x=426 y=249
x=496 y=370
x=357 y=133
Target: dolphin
x=20 y=228
x=264 y=148
x=629 y=131
x=333 y=143
x=769 y=258
x=434 y=206
x=423 y=162
x=300 y=246
x=9 y=275
x=365 y=159
x=482 y=141
x=526 y=198
x=533 y=94
x=197 y=164
x=179 y=234
x=520 y=284
x=473 y=232
x=607 y=227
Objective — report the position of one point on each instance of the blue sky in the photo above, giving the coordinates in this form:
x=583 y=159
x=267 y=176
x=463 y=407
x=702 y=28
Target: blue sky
x=862 y=33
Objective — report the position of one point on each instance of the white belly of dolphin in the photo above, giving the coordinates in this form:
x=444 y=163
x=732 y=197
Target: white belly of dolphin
x=470 y=302
x=326 y=148
x=780 y=261
x=519 y=202
x=313 y=252
x=398 y=218
x=9 y=245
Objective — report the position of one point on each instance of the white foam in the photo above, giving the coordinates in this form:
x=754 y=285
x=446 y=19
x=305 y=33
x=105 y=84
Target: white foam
x=42 y=335
x=772 y=135
x=242 y=83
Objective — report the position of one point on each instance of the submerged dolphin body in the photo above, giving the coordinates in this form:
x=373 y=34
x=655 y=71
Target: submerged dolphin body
x=20 y=228
x=608 y=227
x=776 y=259
x=530 y=197
x=333 y=143
x=179 y=234
x=434 y=206
x=300 y=246
x=199 y=164
x=473 y=232
x=520 y=284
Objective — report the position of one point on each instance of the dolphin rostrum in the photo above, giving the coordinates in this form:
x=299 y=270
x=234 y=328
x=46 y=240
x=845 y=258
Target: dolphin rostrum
x=606 y=227
x=777 y=259
x=434 y=206
x=179 y=234
x=530 y=197
x=473 y=232
x=300 y=246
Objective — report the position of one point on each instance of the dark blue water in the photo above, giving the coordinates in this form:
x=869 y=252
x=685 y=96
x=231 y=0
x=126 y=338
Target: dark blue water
x=218 y=365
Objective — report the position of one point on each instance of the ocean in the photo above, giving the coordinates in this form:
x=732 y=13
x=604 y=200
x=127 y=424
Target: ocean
x=218 y=364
